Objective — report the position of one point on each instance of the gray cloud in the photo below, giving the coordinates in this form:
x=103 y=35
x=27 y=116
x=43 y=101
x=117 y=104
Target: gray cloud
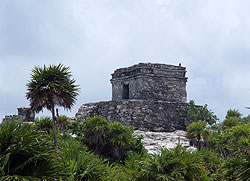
x=39 y=29
x=95 y=37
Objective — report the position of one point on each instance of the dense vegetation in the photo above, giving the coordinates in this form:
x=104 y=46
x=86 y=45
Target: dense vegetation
x=97 y=149
x=230 y=140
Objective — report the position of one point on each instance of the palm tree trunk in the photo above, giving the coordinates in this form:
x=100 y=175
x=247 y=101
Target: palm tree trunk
x=199 y=143
x=54 y=125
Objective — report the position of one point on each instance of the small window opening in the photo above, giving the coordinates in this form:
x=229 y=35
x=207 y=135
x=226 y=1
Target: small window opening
x=125 y=92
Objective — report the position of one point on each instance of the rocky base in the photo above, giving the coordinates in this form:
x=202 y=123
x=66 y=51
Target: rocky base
x=154 y=140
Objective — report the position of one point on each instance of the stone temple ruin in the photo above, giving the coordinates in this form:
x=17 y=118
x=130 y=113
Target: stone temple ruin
x=147 y=96
x=24 y=114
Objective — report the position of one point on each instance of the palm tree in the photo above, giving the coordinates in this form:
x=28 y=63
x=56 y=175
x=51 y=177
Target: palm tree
x=50 y=87
x=196 y=131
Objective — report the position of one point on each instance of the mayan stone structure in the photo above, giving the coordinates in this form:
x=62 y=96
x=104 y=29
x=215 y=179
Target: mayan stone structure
x=25 y=114
x=156 y=82
x=147 y=96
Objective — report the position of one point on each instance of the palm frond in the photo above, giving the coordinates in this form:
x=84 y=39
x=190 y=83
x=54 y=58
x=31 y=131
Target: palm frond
x=26 y=152
x=52 y=85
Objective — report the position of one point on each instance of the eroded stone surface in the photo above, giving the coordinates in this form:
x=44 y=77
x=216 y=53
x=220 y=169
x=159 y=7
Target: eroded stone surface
x=24 y=114
x=154 y=140
x=142 y=114
x=147 y=81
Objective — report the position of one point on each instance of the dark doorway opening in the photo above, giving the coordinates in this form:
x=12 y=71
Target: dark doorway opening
x=125 y=92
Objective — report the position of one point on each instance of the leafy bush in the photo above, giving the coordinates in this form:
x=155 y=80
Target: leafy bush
x=218 y=142
x=119 y=138
x=229 y=122
x=246 y=119
x=111 y=139
x=94 y=130
x=233 y=113
x=196 y=131
x=231 y=167
x=212 y=163
x=44 y=124
x=244 y=172
x=239 y=138
x=136 y=146
x=76 y=127
x=196 y=113
x=63 y=122
x=26 y=154
x=84 y=165
x=231 y=140
x=175 y=164
x=81 y=164
x=239 y=131
x=133 y=164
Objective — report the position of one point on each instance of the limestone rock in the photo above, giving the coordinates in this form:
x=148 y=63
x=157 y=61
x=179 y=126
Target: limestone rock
x=154 y=140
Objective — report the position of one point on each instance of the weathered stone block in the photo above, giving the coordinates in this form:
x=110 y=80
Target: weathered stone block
x=171 y=117
x=146 y=81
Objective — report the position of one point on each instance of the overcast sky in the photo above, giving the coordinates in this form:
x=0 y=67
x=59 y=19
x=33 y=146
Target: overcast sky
x=95 y=37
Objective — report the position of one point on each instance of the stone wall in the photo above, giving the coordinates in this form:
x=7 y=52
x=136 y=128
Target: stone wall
x=146 y=81
x=24 y=114
x=142 y=114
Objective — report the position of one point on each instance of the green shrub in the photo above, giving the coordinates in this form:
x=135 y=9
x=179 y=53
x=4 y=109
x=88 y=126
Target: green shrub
x=133 y=166
x=119 y=134
x=231 y=167
x=76 y=128
x=239 y=138
x=94 y=130
x=233 y=113
x=231 y=140
x=212 y=163
x=244 y=172
x=175 y=164
x=196 y=131
x=118 y=140
x=81 y=164
x=196 y=113
x=110 y=139
x=218 y=142
x=230 y=122
x=246 y=119
x=84 y=165
x=239 y=131
x=63 y=122
x=44 y=124
x=136 y=145
x=25 y=153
